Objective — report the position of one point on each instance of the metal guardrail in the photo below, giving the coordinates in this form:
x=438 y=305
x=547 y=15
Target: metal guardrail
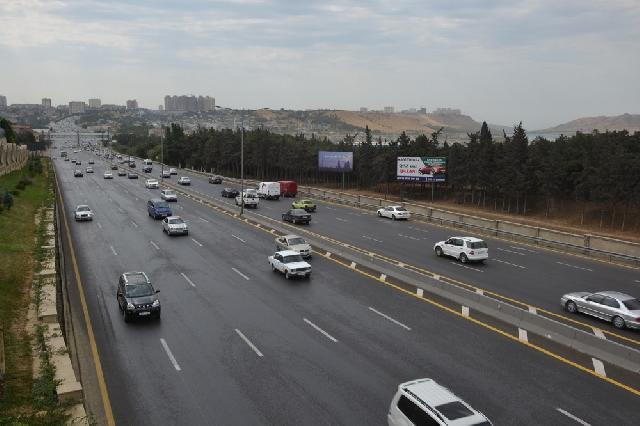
x=336 y=196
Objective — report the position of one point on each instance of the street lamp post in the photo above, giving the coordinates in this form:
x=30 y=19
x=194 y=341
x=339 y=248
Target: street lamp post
x=162 y=157
x=242 y=169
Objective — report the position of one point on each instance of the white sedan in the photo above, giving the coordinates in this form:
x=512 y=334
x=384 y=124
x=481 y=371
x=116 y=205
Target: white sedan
x=108 y=175
x=184 y=180
x=168 y=195
x=173 y=171
x=290 y=263
x=83 y=212
x=394 y=212
x=173 y=225
x=151 y=183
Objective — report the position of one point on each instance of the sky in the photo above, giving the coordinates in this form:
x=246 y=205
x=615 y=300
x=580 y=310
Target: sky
x=542 y=62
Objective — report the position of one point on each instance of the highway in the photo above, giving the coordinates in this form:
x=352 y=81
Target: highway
x=532 y=275
x=238 y=344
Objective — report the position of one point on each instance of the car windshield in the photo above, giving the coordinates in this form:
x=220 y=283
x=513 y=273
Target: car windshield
x=632 y=304
x=161 y=204
x=296 y=241
x=292 y=258
x=175 y=221
x=83 y=209
x=139 y=290
x=169 y=193
x=477 y=244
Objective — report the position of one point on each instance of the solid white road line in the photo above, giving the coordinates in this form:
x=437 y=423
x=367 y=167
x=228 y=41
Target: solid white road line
x=113 y=250
x=169 y=354
x=241 y=274
x=572 y=417
x=238 y=238
x=187 y=279
x=154 y=245
x=327 y=335
x=598 y=367
x=575 y=267
x=196 y=241
x=599 y=333
x=390 y=319
x=248 y=342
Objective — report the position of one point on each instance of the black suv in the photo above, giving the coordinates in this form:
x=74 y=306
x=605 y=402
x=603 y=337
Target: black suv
x=137 y=297
x=215 y=179
x=230 y=193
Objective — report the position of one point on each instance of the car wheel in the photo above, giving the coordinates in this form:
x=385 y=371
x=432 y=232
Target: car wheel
x=393 y=217
x=438 y=251
x=286 y=275
x=571 y=307
x=126 y=317
x=273 y=268
x=618 y=322
x=186 y=233
x=464 y=258
x=379 y=214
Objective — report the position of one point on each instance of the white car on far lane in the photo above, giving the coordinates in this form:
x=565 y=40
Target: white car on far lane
x=465 y=249
x=168 y=195
x=83 y=212
x=394 y=212
x=151 y=183
x=289 y=263
x=184 y=180
x=108 y=175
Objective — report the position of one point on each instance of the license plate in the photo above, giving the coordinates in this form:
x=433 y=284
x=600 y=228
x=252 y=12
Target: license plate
x=144 y=313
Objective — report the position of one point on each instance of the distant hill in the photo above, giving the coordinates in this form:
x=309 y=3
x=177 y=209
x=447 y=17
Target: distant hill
x=630 y=122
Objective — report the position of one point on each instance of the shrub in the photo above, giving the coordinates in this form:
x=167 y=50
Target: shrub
x=7 y=200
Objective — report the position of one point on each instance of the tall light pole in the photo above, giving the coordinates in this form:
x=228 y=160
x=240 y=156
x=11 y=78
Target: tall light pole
x=162 y=157
x=242 y=168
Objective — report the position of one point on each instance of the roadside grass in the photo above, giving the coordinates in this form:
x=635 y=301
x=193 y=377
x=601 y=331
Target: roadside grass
x=19 y=239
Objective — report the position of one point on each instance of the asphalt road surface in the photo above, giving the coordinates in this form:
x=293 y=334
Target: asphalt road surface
x=239 y=344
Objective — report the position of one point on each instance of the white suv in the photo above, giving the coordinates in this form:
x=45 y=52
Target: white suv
x=424 y=402
x=151 y=183
x=464 y=249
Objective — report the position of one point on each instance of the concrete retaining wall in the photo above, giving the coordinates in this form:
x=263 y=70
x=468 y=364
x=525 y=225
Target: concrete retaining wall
x=12 y=157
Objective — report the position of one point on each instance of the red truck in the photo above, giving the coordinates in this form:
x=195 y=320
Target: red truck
x=288 y=188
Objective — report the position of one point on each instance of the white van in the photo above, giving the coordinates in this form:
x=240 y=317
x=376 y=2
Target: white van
x=269 y=190
x=147 y=162
x=424 y=402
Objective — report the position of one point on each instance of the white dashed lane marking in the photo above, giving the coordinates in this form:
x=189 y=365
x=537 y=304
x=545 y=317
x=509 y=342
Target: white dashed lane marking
x=371 y=238
x=196 y=241
x=509 y=263
x=113 y=250
x=510 y=251
x=170 y=354
x=409 y=237
x=238 y=238
x=248 y=342
x=327 y=335
x=341 y=219
x=523 y=249
x=187 y=279
x=572 y=417
x=241 y=274
x=154 y=245
x=574 y=266
x=390 y=319
x=466 y=267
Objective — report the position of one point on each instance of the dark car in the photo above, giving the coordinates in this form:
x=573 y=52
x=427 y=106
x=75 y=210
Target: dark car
x=77 y=173
x=137 y=297
x=147 y=169
x=215 y=179
x=132 y=175
x=230 y=193
x=132 y=164
x=296 y=216
x=122 y=172
x=114 y=167
x=158 y=209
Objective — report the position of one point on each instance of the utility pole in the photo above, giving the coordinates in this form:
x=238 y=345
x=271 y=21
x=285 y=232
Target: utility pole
x=162 y=157
x=242 y=169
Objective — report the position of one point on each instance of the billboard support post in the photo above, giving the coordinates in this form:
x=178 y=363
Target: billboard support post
x=433 y=186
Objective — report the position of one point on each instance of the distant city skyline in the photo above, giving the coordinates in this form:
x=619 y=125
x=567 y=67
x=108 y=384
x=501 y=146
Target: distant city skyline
x=543 y=62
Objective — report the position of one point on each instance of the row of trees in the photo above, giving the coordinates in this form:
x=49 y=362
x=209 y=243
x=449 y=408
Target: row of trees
x=513 y=175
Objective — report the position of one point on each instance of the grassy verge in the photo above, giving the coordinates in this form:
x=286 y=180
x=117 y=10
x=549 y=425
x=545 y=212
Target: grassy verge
x=20 y=239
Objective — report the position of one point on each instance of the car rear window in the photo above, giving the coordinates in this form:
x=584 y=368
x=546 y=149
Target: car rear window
x=176 y=220
x=632 y=304
x=477 y=245
x=83 y=209
x=454 y=410
x=401 y=209
x=296 y=241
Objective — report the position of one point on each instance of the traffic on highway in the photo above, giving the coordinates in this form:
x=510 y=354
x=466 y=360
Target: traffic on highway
x=263 y=323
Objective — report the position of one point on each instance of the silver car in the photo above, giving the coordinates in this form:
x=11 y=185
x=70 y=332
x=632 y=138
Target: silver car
x=619 y=308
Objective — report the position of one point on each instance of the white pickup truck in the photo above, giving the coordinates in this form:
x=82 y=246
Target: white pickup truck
x=290 y=263
x=250 y=200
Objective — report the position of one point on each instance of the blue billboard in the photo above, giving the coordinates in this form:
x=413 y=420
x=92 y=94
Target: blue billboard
x=332 y=161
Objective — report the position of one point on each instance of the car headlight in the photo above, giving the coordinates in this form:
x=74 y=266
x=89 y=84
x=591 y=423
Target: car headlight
x=130 y=306
x=156 y=303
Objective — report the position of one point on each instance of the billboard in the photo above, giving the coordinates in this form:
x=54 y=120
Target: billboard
x=422 y=169
x=331 y=161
